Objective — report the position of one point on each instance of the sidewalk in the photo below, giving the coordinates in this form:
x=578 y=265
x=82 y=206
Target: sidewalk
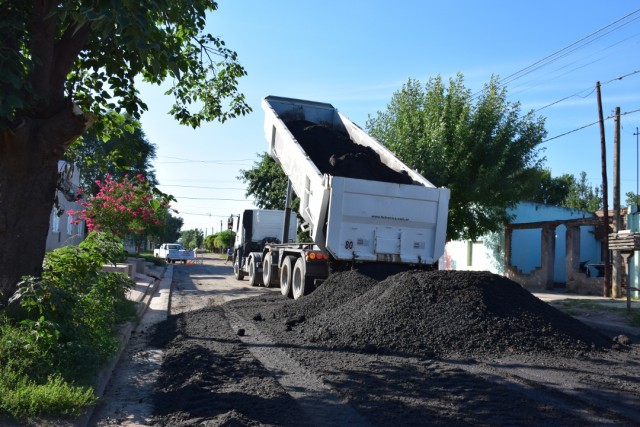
x=608 y=315
x=151 y=293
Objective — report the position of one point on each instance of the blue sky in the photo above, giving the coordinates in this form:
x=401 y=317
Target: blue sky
x=355 y=54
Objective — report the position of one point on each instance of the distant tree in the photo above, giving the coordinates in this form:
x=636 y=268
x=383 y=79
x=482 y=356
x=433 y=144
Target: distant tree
x=480 y=147
x=127 y=152
x=583 y=196
x=209 y=242
x=225 y=239
x=168 y=231
x=633 y=199
x=267 y=184
x=64 y=66
x=541 y=187
x=191 y=239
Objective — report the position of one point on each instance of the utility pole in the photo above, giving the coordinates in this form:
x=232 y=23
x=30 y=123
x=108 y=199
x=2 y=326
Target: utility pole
x=637 y=166
x=616 y=288
x=605 y=198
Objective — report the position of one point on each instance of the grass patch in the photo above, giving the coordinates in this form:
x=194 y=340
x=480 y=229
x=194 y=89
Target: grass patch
x=148 y=257
x=125 y=311
x=24 y=399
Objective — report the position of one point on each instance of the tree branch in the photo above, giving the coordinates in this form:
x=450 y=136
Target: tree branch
x=66 y=52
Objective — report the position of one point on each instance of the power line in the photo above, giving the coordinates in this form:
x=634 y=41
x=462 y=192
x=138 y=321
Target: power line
x=547 y=59
x=591 y=90
x=197 y=186
x=214 y=198
x=204 y=214
x=555 y=56
x=586 y=126
x=221 y=162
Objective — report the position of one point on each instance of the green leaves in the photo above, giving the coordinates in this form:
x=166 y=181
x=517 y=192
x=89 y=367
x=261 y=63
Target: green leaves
x=267 y=183
x=476 y=146
x=155 y=39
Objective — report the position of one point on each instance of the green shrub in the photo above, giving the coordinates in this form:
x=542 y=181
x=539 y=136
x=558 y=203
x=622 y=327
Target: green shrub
x=59 y=329
x=24 y=399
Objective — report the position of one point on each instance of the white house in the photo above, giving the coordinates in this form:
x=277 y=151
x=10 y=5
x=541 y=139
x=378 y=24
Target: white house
x=62 y=230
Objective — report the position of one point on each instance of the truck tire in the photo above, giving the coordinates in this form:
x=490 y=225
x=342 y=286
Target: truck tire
x=298 y=282
x=286 y=273
x=269 y=271
x=255 y=279
x=237 y=272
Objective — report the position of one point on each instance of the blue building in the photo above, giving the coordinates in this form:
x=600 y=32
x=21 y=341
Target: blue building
x=543 y=246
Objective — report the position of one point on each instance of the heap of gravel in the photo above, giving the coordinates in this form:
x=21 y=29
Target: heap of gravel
x=438 y=313
x=334 y=153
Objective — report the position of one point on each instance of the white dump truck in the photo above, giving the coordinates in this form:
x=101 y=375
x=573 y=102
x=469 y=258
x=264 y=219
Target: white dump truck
x=359 y=203
x=255 y=230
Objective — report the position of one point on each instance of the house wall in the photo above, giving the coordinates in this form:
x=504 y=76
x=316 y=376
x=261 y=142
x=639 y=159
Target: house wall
x=458 y=255
x=633 y=224
x=526 y=244
x=61 y=231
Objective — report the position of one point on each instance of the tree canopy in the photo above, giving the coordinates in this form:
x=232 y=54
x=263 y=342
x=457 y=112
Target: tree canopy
x=267 y=183
x=125 y=153
x=90 y=53
x=582 y=195
x=192 y=239
x=478 y=146
x=67 y=65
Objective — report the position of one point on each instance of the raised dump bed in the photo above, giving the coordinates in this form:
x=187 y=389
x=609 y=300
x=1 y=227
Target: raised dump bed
x=358 y=200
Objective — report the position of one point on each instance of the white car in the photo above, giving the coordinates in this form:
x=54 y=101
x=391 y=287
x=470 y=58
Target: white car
x=173 y=252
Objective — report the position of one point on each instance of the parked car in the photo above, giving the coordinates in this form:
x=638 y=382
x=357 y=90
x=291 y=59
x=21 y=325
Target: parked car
x=173 y=252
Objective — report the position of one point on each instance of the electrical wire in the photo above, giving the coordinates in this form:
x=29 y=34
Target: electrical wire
x=590 y=124
x=548 y=59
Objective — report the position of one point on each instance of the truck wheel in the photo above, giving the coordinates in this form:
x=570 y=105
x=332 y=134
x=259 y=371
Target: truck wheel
x=236 y=271
x=298 y=287
x=255 y=279
x=286 y=273
x=268 y=271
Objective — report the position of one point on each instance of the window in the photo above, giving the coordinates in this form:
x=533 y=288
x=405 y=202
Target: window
x=69 y=225
x=55 y=221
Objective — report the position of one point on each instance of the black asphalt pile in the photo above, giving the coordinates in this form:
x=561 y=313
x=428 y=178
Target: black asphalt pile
x=438 y=313
x=334 y=153
x=447 y=313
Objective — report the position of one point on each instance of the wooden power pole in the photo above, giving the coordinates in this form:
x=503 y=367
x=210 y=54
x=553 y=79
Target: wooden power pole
x=605 y=198
x=616 y=286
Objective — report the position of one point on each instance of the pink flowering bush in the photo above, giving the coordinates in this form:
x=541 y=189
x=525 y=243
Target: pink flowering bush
x=126 y=207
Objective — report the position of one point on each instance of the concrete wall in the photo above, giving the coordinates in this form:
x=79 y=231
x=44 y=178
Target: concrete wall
x=526 y=245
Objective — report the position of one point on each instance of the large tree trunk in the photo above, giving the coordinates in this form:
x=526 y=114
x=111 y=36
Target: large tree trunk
x=29 y=155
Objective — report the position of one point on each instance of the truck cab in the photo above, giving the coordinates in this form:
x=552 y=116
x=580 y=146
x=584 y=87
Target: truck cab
x=256 y=229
